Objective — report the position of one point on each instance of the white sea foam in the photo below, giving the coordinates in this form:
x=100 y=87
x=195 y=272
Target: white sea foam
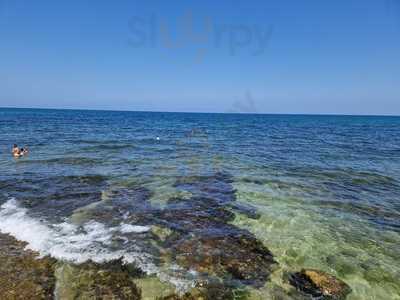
x=63 y=241
x=76 y=244
x=128 y=228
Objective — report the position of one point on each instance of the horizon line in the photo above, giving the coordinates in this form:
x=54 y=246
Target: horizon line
x=197 y=112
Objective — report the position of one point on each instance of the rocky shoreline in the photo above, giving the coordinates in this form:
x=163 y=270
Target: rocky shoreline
x=25 y=275
x=195 y=233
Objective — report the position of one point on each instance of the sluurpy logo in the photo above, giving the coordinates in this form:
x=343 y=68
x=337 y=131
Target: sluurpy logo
x=200 y=34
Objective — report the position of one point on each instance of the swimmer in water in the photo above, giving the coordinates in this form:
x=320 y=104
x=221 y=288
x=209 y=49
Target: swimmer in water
x=23 y=151
x=16 y=152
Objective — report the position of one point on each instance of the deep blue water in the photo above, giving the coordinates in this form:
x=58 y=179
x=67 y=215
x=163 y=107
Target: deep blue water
x=329 y=177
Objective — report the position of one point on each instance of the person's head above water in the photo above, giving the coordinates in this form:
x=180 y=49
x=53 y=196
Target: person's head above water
x=15 y=151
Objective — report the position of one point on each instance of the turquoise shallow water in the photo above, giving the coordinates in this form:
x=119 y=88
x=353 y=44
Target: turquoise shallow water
x=325 y=189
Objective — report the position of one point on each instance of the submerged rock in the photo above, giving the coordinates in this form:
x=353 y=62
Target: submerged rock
x=194 y=233
x=162 y=233
x=210 y=291
x=206 y=242
x=111 y=280
x=23 y=275
x=58 y=196
x=319 y=284
x=246 y=210
x=152 y=288
x=240 y=257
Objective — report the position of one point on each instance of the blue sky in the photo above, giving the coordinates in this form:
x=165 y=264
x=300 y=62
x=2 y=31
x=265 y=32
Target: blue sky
x=280 y=56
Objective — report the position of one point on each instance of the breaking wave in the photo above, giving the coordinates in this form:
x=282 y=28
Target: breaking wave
x=92 y=241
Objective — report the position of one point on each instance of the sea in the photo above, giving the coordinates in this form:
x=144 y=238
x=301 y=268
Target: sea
x=320 y=192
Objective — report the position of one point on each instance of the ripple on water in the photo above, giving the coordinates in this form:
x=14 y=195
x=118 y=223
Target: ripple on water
x=301 y=235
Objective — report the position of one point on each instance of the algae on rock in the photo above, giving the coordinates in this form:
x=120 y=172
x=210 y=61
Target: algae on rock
x=90 y=280
x=23 y=275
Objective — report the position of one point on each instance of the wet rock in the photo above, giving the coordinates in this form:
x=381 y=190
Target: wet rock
x=186 y=296
x=111 y=280
x=217 y=187
x=205 y=241
x=319 y=284
x=273 y=292
x=22 y=274
x=152 y=288
x=210 y=291
x=128 y=203
x=134 y=198
x=59 y=196
x=162 y=233
x=194 y=233
x=246 y=210
x=210 y=207
x=241 y=257
x=190 y=220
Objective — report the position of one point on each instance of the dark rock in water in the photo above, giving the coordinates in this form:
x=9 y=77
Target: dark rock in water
x=120 y=202
x=248 y=211
x=205 y=241
x=161 y=233
x=210 y=291
x=130 y=199
x=241 y=257
x=194 y=232
x=196 y=220
x=217 y=187
x=111 y=280
x=319 y=284
x=22 y=274
x=58 y=196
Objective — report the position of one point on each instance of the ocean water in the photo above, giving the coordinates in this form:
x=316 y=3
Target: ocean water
x=318 y=191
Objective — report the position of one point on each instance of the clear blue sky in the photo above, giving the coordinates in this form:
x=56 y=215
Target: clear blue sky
x=280 y=56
